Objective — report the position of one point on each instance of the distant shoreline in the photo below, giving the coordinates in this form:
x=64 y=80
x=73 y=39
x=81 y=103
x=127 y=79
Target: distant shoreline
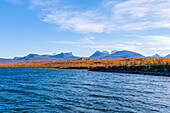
x=128 y=72
x=133 y=72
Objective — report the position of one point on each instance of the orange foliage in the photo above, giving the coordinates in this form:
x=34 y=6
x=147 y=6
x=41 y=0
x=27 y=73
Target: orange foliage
x=87 y=63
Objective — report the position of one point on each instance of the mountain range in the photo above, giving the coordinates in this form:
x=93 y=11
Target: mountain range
x=116 y=54
x=70 y=56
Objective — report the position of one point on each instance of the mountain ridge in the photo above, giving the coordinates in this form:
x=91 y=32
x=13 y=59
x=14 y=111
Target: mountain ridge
x=69 y=56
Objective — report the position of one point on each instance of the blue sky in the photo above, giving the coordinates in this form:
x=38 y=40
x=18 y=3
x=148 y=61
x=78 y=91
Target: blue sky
x=83 y=26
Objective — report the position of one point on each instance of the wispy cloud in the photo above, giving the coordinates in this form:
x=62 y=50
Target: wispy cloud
x=157 y=42
x=83 y=22
x=143 y=14
x=107 y=17
x=133 y=43
x=129 y=15
x=43 y=3
x=88 y=40
x=148 y=44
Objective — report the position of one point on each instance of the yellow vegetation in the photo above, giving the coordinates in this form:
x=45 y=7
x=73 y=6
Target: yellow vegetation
x=87 y=63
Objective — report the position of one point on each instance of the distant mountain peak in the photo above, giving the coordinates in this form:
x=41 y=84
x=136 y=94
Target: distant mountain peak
x=99 y=54
x=32 y=55
x=29 y=57
x=107 y=51
x=156 y=55
x=60 y=56
x=126 y=53
x=64 y=55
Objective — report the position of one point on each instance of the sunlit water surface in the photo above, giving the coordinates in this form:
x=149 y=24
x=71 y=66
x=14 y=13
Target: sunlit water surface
x=70 y=91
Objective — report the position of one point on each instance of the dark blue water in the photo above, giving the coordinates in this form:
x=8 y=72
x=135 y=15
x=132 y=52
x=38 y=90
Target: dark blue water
x=70 y=91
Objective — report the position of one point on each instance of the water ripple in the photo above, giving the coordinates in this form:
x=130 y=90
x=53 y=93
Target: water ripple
x=61 y=91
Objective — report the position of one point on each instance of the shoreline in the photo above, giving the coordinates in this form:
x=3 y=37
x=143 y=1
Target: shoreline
x=132 y=72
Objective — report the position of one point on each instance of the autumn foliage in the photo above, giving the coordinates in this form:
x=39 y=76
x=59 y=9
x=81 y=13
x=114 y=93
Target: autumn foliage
x=89 y=63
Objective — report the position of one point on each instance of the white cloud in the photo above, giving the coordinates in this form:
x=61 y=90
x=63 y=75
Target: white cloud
x=150 y=45
x=110 y=16
x=43 y=3
x=109 y=3
x=83 y=22
x=143 y=14
x=88 y=40
x=133 y=43
x=158 y=42
x=129 y=15
x=147 y=45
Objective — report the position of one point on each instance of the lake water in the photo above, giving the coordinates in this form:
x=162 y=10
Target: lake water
x=70 y=91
